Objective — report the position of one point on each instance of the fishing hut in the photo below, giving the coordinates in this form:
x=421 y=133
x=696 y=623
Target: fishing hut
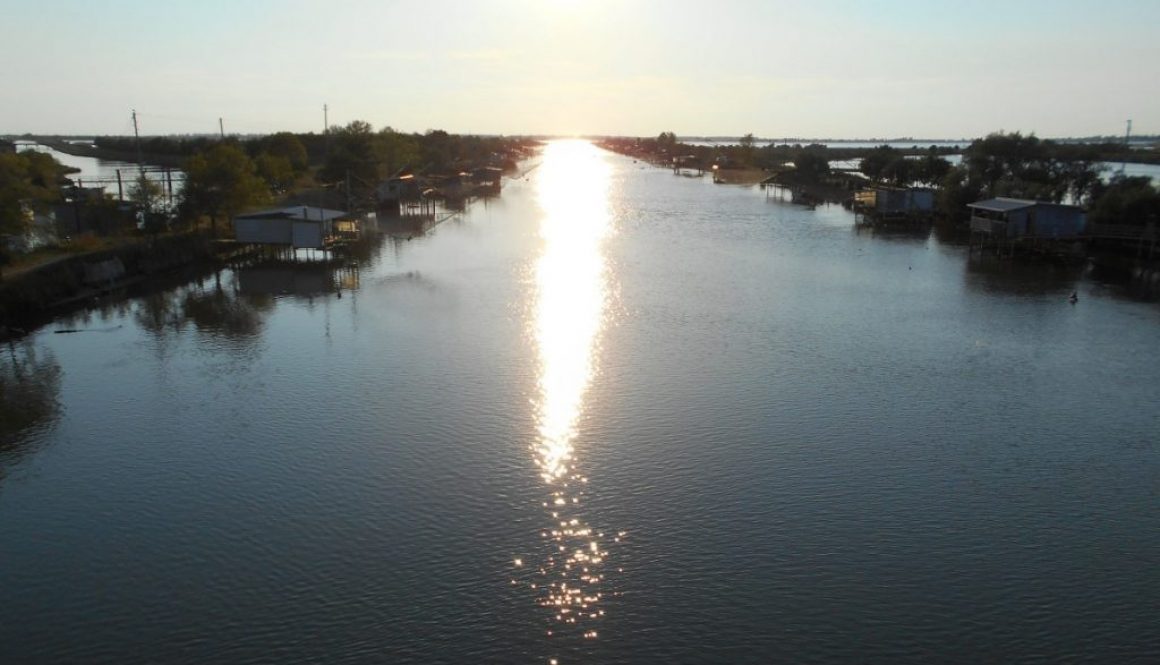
x=688 y=165
x=396 y=192
x=894 y=206
x=1009 y=226
x=487 y=180
x=297 y=227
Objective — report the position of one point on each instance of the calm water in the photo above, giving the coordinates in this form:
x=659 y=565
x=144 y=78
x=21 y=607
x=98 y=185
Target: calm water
x=614 y=416
x=103 y=172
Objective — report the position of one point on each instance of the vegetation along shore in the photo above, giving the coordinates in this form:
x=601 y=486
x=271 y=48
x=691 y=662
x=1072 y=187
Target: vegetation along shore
x=54 y=231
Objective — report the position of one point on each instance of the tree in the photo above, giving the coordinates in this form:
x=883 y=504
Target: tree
x=352 y=155
x=1005 y=158
x=811 y=163
x=276 y=170
x=15 y=189
x=1026 y=167
x=747 y=143
x=437 y=151
x=288 y=146
x=150 y=201
x=874 y=164
x=900 y=171
x=27 y=180
x=396 y=150
x=221 y=182
x=958 y=189
x=932 y=168
x=1126 y=200
x=1081 y=179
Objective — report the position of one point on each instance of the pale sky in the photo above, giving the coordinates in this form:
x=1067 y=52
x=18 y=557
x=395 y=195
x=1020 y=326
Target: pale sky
x=776 y=68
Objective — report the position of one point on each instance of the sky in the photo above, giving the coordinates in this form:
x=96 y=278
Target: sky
x=774 y=68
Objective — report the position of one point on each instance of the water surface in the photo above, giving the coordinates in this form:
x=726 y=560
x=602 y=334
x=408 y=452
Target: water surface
x=712 y=426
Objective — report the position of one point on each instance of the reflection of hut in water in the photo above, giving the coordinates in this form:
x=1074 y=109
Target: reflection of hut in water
x=299 y=280
x=992 y=275
x=407 y=226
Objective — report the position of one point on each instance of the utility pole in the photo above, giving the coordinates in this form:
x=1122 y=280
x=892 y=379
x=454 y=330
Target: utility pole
x=137 y=135
x=1127 y=146
x=325 y=120
x=222 y=129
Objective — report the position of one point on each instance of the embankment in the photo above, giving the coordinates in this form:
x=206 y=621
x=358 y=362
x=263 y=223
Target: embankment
x=35 y=294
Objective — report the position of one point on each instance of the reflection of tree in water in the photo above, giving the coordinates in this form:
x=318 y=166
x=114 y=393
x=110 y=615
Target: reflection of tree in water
x=29 y=386
x=159 y=312
x=225 y=311
x=211 y=306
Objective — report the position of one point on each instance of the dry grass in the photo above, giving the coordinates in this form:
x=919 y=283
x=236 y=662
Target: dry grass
x=83 y=244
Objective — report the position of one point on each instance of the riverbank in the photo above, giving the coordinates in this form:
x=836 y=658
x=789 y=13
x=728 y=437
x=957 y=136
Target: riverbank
x=35 y=295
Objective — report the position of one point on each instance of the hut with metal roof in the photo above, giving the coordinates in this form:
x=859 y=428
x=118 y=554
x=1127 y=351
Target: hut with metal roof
x=296 y=227
x=894 y=205
x=1008 y=219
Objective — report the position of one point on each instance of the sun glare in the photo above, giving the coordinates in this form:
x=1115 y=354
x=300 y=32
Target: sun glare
x=570 y=303
x=573 y=193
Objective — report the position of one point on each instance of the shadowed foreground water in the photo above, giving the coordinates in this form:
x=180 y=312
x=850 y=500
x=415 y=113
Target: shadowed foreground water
x=613 y=416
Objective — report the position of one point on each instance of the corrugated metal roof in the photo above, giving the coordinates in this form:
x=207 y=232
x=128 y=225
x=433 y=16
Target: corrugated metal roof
x=1002 y=204
x=304 y=213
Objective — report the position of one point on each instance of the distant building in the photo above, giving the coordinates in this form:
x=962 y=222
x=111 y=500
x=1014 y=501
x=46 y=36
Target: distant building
x=1004 y=218
x=394 y=192
x=895 y=200
x=297 y=226
x=488 y=178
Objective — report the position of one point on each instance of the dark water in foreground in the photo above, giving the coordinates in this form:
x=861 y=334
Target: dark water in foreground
x=612 y=417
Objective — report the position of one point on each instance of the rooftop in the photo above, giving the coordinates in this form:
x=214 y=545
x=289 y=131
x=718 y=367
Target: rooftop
x=1002 y=204
x=303 y=213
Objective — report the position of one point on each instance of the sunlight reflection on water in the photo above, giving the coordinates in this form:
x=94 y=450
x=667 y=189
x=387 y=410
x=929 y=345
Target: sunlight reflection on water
x=570 y=311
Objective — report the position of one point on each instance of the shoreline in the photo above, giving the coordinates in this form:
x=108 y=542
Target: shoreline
x=105 y=154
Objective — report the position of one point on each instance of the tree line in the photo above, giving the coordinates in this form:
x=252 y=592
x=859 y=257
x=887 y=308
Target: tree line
x=1000 y=164
x=225 y=176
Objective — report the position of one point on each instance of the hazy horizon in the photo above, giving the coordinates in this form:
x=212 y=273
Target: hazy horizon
x=837 y=70
x=1135 y=137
